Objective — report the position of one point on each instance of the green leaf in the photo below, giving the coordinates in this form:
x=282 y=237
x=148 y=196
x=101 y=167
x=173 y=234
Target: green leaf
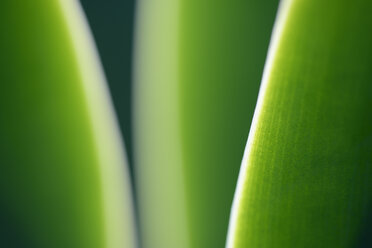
x=197 y=71
x=306 y=175
x=63 y=179
x=111 y=23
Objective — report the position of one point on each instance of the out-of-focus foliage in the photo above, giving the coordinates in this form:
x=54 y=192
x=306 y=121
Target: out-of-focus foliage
x=111 y=22
x=198 y=66
x=305 y=176
x=63 y=181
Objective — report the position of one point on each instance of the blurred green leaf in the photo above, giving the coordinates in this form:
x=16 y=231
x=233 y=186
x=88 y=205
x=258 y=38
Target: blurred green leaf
x=111 y=22
x=198 y=66
x=63 y=179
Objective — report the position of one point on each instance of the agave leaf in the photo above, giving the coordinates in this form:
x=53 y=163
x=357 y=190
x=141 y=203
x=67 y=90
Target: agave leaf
x=63 y=179
x=197 y=71
x=306 y=175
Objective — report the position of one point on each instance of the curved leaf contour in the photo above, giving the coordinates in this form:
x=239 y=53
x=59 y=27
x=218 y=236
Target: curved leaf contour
x=111 y=23
x=306 y=175
x=198 y=66
x=63 y=180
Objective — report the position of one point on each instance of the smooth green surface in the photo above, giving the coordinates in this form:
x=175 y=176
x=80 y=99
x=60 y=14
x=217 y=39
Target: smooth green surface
x=111 y=22
x=156 y=123
x=306 y=176
x=223 y=46
x=62 y=181
x=198 y=65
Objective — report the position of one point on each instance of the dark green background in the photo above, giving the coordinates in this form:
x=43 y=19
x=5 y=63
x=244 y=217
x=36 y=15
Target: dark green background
x=111 y=23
